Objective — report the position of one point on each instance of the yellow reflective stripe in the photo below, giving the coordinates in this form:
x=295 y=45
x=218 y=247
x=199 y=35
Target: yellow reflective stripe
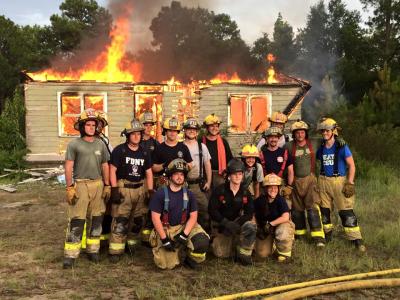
x=300 y=232
x=199 y=255
x=132 y=242
x=352 y=229
x=83 y=243
x=72 y=246
x=93 y=241
x=244 y=251
x=317 y=234
x=288 y=254
x=105 y=237
x=117 y=246
x=328 y=226
x=146 y=231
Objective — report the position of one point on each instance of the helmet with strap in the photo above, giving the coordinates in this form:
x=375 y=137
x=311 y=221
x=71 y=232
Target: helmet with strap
x=172 y=124
x=272 y=179
x=328 y=124
x=235 y=165
x=177 y=165
x=250 y=150
x=273 y=131
x=147 y=117
x=191 y=123
x=278 y=117
x=211 y=119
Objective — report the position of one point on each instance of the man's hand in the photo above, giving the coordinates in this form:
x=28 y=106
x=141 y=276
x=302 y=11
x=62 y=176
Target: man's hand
x=349 y=189
x=287 y=191
x=71 y=195
x=115 y=197
x=106 y=193
x=341 y=141
x=168 y=244
x=269 y=228
x=181 y=238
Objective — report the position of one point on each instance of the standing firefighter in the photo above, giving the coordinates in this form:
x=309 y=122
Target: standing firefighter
x=231 y=211
x=218 y=147
x=336 y=183
x=277 y=160
x=253 y=174
x=85 y=163
x=130 y=165
x=305 y=196
x=199 y=177
x=273 y=221
x=148 y=142
x=176 y=236
x=279 y=120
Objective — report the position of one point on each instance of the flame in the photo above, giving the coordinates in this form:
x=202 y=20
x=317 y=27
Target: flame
x=108 y=66
x=224 y=77
x=271 y=75
x=270 y=58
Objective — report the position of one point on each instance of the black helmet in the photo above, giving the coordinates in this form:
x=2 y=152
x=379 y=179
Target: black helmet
x=235 y=165
x=177 y=165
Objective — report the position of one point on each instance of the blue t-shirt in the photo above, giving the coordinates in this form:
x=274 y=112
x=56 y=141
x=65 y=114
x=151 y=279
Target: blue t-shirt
x=175 y=205
x=327 y=158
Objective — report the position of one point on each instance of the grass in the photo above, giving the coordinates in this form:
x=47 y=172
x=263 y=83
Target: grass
x=31 y=250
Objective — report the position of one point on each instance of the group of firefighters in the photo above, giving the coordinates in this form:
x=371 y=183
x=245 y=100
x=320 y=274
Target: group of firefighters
x=185 y=198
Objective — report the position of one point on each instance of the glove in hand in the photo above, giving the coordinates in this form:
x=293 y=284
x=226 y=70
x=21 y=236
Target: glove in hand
x=115 y=197
x=287 y=191
x=348 y=190
x=181 y=238
x=71 y=195
x=168 y=244
x=106 y=193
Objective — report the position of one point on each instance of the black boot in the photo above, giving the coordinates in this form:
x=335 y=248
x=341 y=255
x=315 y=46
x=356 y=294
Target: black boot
x=328 y=236
x=245 y=260
x=359 y=245
x=94 y=257
x=68 y=262
x=114 y=258
x=190 y=263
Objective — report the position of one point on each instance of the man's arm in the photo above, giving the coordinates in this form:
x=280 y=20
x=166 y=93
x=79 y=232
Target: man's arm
x=352 y=169
x=191 y=222
x=149 y=179
x=207 y=169
x=290 y=175
x=106 y=173
x=69 y=165
x=157 y=168
x=156 y=219
x=113 y=175
x=282 y=219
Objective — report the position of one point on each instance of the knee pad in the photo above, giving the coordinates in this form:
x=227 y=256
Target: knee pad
x=200 y=243
x=75 y=230
x=121 y=225
x=95 y=230
x=348 y=218
x=249 y=229
x=299 y=219
x=313 y=218
x=137 y=224
x=326 y=215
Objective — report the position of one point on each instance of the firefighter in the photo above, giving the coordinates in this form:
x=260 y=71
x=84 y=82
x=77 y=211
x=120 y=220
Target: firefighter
x=253 y=175
x=148 y=142
x=87 y=179
x=277 y=160
x=305 y=196
x=199 y=177
x=232 y=214
x=273 y=221
x=177 y=237
x=130 y=166
x=218 y=147
x=277 y=119
x=336 y=183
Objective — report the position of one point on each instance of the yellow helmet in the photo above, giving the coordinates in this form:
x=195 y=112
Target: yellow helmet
x=211 y=119
x=147 y=117
x=102 y=116
x=172 y=124
x=278 y=117
x=273 y=131
x=86 y=115
x=298 y=125
x=328 y=124
x=272 y=179
x=250 y=150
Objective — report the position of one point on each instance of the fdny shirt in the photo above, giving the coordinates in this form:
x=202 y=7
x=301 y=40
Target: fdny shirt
x=327 y=157
x=131 y=165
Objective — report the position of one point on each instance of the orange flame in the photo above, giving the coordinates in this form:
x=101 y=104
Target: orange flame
x=270 y=58
x=224 y=77
x=108 y=66
x=271 y=75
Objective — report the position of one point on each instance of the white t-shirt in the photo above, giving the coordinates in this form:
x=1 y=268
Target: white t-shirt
x=194 y=153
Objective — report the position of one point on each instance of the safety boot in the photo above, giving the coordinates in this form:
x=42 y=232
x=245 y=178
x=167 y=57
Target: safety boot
x=245 y=260
x=359 y=245
x=94 y=257
x=190 y=263
x=319 y=242
x=114 y=258
x=328 y=236
x=68 y=262
x=282 y=259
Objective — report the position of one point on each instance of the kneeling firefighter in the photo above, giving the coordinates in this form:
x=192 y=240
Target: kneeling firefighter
x=232 y=216
x=273 y=221
x=177 y=237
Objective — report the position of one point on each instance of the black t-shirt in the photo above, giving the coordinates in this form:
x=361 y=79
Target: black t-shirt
x=274 y=159
x=223 y=204
x=164 y=154
x=213 y=149
x=266 y=211
x=131 y=165
x=149 y=145
x=175 y=205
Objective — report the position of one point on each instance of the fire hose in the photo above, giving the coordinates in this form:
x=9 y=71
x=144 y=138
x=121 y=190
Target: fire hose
x=305 y=284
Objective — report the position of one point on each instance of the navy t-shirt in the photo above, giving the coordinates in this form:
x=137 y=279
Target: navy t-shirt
x=266 y=211
x=274 y=160
x=175 y=204
x=327 y=158
x=164 y=154
x=131 y=165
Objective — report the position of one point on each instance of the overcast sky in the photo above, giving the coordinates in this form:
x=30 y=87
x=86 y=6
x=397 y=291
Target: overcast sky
x=252 y=16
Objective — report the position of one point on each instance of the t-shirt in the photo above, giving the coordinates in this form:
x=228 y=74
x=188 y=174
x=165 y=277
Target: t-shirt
x=88 y=158
x=327 y=157
x=302 y=159
x=194 y=153
x=266 y=211
x=249 y=173
x=275 y=159
x=149 y=145
x=213 y=149
x=164 y=154
x=175 y=205
x=131 y=165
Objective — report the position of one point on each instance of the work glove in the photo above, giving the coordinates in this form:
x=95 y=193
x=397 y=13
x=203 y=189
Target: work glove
x=168 y=244
x=181 y=238
x=230 y=227
x=71 y=195
x=341 y=141
x=348 y=189
x=287 y=191
x=106 y=193
x=268 y=227
x=261 y=233
x=115 y=197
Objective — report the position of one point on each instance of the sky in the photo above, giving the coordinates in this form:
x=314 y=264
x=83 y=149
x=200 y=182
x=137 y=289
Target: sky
x=252 y=16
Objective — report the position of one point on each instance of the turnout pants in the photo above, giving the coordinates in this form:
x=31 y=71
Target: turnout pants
x=196 y=248
x=89 y=207
x=226 y=246
x=132 y=206
x=202 y=203
x=282 y=239
x=305 y=204
x=331 y=196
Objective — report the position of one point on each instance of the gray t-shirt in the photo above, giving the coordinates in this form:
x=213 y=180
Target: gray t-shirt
x=88 y=158
x=194 y=153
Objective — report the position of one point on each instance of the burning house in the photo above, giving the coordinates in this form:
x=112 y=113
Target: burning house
x=54 y=100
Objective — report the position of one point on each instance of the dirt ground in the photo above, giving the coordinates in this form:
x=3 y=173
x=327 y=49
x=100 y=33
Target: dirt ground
x=32 y=232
